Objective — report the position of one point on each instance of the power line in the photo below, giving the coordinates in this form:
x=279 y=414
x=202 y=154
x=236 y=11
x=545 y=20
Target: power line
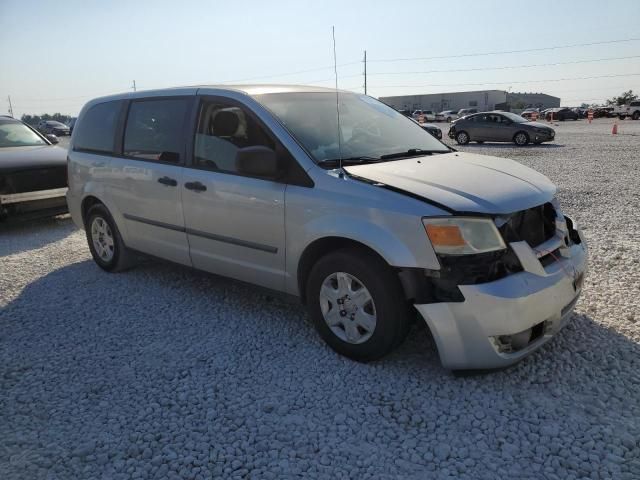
x=508 y=82
x=503 y=52
x=289 y=74
x=298 y=72
x=478 y=69
x=507 y=67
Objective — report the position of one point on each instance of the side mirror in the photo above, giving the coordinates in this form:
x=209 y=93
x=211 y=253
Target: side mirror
x=257 y=161
x=52 y=138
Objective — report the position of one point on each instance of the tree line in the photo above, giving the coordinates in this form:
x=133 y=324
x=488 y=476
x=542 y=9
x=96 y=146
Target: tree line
x=624 y=99
x=33 y=120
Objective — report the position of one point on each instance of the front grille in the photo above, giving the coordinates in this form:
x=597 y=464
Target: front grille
x=535 y=225
x=36 y=179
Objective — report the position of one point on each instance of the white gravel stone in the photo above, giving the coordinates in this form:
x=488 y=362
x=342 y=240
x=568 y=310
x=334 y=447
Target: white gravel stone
x=164 y=372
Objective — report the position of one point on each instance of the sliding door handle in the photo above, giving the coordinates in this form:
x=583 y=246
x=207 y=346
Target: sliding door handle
x=169 y=182
x=195 y=186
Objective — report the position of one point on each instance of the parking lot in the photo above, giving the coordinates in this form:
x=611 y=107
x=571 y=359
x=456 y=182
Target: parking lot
x=165 y=372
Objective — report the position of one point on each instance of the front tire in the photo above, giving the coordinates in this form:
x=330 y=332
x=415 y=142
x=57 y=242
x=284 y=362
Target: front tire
x=357 y=304
x=105 y=243
x=521 y=139
x=462 y=138
x=636 y=115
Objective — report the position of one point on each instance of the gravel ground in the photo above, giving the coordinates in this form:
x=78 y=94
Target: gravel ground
x=163 y=372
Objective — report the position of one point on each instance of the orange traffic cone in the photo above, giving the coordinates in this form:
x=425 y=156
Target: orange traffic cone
x=614 y=130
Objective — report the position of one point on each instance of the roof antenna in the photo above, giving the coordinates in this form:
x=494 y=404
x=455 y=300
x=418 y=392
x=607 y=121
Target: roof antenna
x=335 y=70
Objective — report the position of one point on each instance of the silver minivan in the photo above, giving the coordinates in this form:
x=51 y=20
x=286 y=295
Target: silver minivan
x=339 y=200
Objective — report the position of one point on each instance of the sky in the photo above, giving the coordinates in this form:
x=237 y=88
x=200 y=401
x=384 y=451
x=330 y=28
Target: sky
x=55 y=56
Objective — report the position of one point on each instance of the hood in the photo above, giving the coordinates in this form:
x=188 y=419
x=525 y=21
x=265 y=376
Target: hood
x=463 y=182
x=26 y=158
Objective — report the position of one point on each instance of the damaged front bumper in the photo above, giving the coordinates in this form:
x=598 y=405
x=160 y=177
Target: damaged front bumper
x=33 y=203
x=502 y=321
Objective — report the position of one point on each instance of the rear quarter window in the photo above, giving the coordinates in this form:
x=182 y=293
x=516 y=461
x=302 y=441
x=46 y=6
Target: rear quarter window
x=96 y=130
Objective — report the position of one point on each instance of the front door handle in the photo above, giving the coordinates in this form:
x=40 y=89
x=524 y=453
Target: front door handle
x=169 y=182
x=196 y=186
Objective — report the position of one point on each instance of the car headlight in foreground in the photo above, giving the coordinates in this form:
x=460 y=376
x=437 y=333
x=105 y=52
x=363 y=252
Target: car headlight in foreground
x=463 y=235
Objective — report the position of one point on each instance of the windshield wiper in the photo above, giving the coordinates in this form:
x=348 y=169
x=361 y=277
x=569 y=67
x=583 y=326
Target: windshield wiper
x=335 y=162
x=412 y=152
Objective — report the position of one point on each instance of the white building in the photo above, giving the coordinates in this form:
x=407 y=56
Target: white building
x=483 y=100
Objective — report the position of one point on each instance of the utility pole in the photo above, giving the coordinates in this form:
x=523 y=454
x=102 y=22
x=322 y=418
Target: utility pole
x=365 y=72
x=134 y=85
x=10 y=106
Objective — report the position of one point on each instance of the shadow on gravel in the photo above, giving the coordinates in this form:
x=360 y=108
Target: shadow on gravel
x=156 y=290
x=17 y=236
x=90 y=361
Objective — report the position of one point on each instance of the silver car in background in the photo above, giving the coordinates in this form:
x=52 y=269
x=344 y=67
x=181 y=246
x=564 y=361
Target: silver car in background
x=499 y=127
x=365 y=226
x=447 y=116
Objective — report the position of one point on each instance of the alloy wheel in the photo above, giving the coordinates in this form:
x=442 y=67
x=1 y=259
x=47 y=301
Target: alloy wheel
x=462 y=138
x=521 y=139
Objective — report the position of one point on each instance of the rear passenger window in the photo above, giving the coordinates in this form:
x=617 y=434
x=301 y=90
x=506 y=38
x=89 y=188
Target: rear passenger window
x=96 y=130
x=154 y=129
x=222 y=131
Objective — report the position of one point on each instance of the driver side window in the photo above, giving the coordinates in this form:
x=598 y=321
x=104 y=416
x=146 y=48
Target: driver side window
x=223 y=129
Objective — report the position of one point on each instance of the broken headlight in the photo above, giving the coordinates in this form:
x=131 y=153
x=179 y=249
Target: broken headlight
x=463 y=235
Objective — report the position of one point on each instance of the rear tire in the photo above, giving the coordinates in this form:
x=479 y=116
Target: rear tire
x=361 y=275
x=521 y=139
x=636 y=115
x=105 y=243
x=462 y=138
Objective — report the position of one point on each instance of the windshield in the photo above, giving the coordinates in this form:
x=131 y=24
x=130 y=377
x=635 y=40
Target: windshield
x=368 y=128
x=53 y=123
x=513 y=117
x=15 y=134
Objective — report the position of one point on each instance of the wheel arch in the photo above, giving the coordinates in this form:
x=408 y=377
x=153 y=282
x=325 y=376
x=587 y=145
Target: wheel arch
x=319 y=248
x=88 y=202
